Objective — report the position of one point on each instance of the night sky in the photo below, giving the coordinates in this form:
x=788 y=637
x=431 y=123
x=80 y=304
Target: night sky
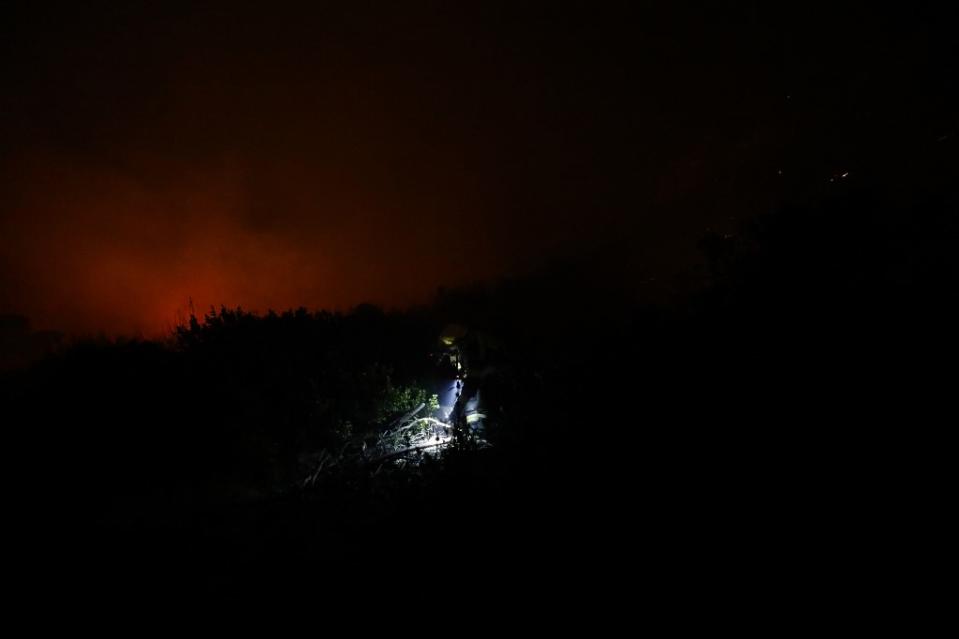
x=274 y=155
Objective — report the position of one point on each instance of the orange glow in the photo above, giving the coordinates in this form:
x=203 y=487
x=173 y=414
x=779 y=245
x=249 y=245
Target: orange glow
x=96 y=251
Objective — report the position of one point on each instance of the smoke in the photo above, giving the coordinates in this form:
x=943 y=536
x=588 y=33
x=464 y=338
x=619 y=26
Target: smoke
x=272 y=159
x=89 y=248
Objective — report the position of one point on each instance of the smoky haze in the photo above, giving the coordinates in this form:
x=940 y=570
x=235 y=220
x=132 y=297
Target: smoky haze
x=325 y=156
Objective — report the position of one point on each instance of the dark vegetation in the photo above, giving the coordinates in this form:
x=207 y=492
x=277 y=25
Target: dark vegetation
x=780 y=397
